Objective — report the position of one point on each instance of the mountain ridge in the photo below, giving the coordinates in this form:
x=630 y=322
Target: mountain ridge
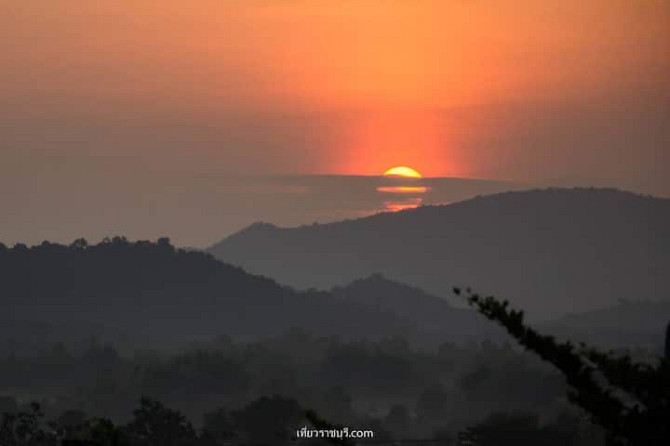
x=507 y=244
x=152 y=291
x=435 y=317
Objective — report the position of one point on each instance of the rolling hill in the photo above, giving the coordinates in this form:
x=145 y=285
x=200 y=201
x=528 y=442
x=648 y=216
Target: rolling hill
x=629 y=324
x=436 y=320
x=550 y=251
x=155 y=295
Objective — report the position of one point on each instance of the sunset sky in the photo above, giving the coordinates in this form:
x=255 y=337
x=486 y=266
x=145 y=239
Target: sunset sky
x=150 y=118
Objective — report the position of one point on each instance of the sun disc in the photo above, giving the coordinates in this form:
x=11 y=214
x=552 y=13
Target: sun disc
x=402 y=171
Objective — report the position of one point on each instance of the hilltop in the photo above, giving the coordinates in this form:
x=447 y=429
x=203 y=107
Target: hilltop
x=152 y=293
x=550 y=251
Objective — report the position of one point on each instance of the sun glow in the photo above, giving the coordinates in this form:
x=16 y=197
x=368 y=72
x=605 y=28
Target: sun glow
x=404 y=205
x=403 y=189
x=402 y=171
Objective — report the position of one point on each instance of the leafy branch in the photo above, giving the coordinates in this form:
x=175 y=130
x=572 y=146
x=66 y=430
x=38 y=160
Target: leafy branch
x=630 y=400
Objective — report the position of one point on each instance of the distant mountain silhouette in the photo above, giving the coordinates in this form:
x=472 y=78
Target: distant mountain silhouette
x=550 y=251
x=437 y=320
x=157 y=294
x=630 y=324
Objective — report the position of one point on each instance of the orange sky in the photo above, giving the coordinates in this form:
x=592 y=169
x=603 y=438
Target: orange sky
x=147 y=91
x=397 y=60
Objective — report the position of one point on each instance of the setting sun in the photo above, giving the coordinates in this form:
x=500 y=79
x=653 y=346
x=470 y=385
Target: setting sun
x=402 y=171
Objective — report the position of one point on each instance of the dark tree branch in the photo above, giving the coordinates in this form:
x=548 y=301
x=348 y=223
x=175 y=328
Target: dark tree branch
x=633 y=402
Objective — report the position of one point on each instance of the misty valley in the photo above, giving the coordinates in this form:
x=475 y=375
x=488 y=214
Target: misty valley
x=142 y=343
x=322 y=222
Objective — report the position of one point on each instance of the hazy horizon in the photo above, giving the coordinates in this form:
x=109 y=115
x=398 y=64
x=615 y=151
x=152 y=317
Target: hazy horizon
x=282 y=200
x=467 y=208
x=152 y=118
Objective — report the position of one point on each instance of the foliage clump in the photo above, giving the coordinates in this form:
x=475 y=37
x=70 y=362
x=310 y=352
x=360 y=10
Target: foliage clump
x=629 y=399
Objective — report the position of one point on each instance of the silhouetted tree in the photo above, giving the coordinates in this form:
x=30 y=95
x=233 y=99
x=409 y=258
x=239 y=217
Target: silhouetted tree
x=25 y=429
x=218 y=426
x=321 y=424
x=269 y=421
x=631 y=400
x=80 y=243
x=156 y=425
x=102 y=432
x=69 y=423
